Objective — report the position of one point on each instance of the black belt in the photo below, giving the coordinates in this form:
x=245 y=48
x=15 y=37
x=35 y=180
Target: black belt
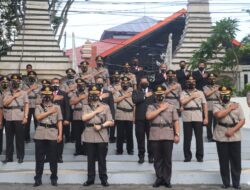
x=124 y=109
x=77 y=109
x=47 y=125
x=92 y=125
x=32 y=97
x=212 y=99
x=168 y=97
x=159 y=125
x=227 y=125
x=192 y=109
x=13 y=107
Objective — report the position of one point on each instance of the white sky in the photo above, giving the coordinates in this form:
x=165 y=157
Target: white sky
x=87 y=24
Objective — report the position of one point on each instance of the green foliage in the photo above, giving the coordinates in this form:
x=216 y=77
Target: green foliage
x=244 y=92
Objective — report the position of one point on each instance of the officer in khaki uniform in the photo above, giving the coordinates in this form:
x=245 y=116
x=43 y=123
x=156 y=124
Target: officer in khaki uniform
x=173 y=90
x=97 y=117
x=87 y=73
x=16 y=110
x=130 y=75
x=32 y=87
x=47 y=135
x=124 y=116
x=164 y=131
x=194 y=116
x=227 y=135
x=212 y=95
x=77 y=101
x=116 y=82
x=101 y=71
x=68 y=83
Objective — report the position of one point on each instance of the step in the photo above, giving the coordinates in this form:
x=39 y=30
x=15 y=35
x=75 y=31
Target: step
x=194 y=40
x=43 y=59
x=38 y=22
x=36 y=48
x=36 y=37
x=36 y=32
x=38 y=17
x=198 y=15
x=36 y=11
x=198 y=30
x=36 y=53
x=42 y=43
x=38 y=3
x=198 y=35
x=199 y=25
x=40 y=6
x=37 y=27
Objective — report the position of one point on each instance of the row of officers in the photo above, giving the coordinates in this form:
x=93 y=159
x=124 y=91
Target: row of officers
x=93 y=106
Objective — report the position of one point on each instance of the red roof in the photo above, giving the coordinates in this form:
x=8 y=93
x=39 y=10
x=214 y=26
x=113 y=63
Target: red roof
x=236 y=42
x=144 y=33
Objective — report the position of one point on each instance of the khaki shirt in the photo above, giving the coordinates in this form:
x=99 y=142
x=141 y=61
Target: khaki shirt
x=174 y=96
x=127 y=103
x=193 y=115
x=132 y=78
x=67 y=83
x=33 y=95
x=167 y=117
x=90 y=135
x=219 y=131
x=104 y=74
x=211 y=99
x=1 y=101
x=77 y=108
x=91 y=77
x=16 y=114
x=43 y=133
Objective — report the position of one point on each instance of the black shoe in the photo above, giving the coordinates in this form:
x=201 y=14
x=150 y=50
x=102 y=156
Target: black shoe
x=104 y=183
x=54 y=182
x=118 y=153
x=236 y=187
x=88 y=183
x=59 y=160
x=187 y=160
x=168 y=185
x=7 y=160
x=131 y=152
x=210 y=140
x=150 y=160
x=79 y=153
x=37 y=183
x=141 y=160
x=200 y=160
x=20 y=160
x=112 y=140
x=158 y=183
x=225 y=186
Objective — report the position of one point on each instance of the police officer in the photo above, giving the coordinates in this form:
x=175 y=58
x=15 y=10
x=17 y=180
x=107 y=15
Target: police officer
x=194 y=116
x=77 y=100
x=212 y=95
x=227 y=135
x=116 y=82
x=101 y=71
x=68 y=83
x=32 y=87
x=182 y=74
x=47 y=135
x=164 y=131
x=87 y=73
x=127 y=73
x=16 y=110
x=97 y=117
x=124 y=116
x=173 y=90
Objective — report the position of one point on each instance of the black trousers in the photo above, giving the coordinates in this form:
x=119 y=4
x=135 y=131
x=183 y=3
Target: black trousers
x=46 y=148
x=162 y=151
x=14 y=129
x=78 y=127
x=66 y=132
x=97 y=151
x=189 y=127
x=112 y=132
x=60 y=145
x=1 y=136
x=27 y=127
x=141 y=129
x=230 y=158
x=124 y=128
x=212 y=121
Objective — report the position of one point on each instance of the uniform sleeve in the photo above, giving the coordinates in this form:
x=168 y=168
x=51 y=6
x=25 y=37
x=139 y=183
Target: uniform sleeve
x=116 y=95
x=150 y=108
x=205 y=89
x=203 y=99
x=108 y=114
x=182 y=95
x=175 y=114
x=59 y=114
x=38 y=110
x=216 y=108
x=1 y=101
x=86 y=109
x=241 y=113
x=25 y=97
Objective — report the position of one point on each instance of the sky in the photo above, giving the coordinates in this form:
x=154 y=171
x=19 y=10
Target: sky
x=88 y=19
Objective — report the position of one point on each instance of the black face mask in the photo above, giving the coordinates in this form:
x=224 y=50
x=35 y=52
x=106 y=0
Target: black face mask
x=99 y=65
x=32 y=79
x=171 y=79
x=211 y=82
x=182 y=66
x=15 y=85
x=160 y=98
x=127 y=70
x=70 y=76
x=163 y=71
x=144 y=85
x=190 y=86
x=84 y=69
x=225 y=98
x=55 y=87
x=4 y=85
x=116 y=79
x=99 y=85
x=80 y=88
x=93 y=97
x=201 y=69
x=125 y=87
x=46 y=98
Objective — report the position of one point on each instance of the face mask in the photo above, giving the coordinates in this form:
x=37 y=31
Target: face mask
x=163 y=71
x=15 y=84
x=144 y=85
x=182 y=66
x=32 y=79
x=99 y=85
x=99 y=64
x=116 y=79
x=46 y=98
x=127 y=70
x=170 y=79
x=4 y=85
x=80 y=88
x=93 y=97
x=160 y=98
x=70 y=76
x=225 y=98
x=190 y=86
x=211 y=82
x=55 y=87
x=84 y=69
x=125 y=87
x=201 y=69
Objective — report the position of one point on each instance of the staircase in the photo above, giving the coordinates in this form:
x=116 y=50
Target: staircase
x=36 y=45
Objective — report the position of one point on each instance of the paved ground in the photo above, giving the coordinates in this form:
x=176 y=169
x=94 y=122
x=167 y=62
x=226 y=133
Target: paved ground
x=112 y=187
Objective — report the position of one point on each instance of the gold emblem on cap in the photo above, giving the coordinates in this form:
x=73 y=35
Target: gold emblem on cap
x=47 y=89
x=15 y=77
x=224 y=88
x=94 y=88
x=159 y=89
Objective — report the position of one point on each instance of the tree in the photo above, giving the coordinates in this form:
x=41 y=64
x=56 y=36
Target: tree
x=220 y=42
